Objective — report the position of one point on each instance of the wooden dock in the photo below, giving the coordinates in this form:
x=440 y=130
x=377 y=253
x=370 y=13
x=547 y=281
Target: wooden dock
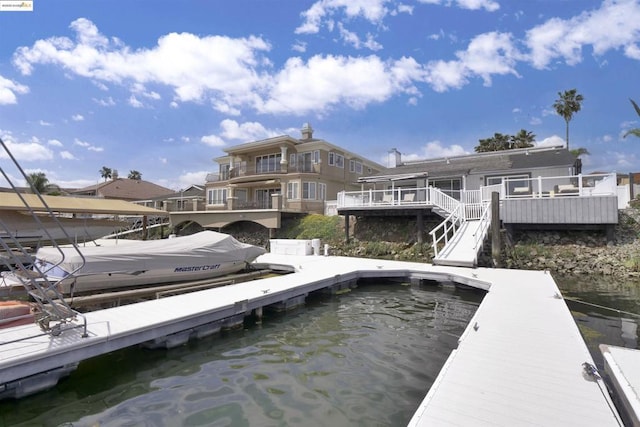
x=518 y=362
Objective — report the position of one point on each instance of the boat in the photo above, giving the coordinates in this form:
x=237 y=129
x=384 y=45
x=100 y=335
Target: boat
x=135 y=263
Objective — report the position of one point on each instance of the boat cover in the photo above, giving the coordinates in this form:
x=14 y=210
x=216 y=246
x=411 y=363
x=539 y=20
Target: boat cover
x=203 y=248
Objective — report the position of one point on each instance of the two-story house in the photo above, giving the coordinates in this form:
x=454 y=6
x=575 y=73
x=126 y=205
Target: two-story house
x=261 y=180
x=284 y=173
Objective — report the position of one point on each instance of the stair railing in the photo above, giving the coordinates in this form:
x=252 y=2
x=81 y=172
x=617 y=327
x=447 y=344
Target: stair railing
x=53 y=314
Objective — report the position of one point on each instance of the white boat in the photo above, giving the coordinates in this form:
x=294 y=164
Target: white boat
x=132 y=263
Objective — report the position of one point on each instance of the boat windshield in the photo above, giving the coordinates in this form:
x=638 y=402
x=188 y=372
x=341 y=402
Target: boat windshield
x=51 y=270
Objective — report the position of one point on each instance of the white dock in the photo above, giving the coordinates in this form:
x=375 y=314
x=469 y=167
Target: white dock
x=622 y=365
x=461 y=250
x=519 y=362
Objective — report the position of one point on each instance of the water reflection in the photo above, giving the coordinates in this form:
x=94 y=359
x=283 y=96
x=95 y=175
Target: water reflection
x=606 y=310
x=364 y=358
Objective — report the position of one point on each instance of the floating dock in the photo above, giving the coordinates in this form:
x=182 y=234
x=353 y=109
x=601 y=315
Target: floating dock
x=519 y=361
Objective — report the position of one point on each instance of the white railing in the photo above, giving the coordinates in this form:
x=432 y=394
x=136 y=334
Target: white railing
x=481 y=230
x=445 y=202
x=447 y=228
x=559 y=186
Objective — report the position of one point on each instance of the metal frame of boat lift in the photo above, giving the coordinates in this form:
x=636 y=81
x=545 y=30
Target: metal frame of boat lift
x=53 y=313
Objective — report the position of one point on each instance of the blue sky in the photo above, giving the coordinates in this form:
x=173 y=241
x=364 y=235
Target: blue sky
x=162 y=87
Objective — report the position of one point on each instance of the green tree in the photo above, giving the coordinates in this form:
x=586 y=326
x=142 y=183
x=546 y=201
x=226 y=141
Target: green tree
x=497 y=142
x=106 y=173
x=134 y=174
x=39 y=183
x=636 y=131
x=579 y=151
x=568 y=103
x=523 y=139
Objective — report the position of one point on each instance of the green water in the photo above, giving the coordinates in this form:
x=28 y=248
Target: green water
x=365 y=358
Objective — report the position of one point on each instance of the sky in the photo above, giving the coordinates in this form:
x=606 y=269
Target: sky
x=163 y=87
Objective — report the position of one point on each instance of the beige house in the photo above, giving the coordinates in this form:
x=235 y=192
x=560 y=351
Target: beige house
x=285 y=173
x=263 y=181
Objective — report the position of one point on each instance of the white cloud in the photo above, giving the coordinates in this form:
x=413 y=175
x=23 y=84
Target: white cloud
x=109 y=102
x=43 y=123
x=431 y=150
x=77 y=117
x=535 y=121
x=212 y=141
x=67 y=155
x=324 y=82
x=55 y=143
x=88 y=146
x=551 y=141
x=353 y=39
x=487 y=54
x=248 y=131
x=185 y=139
x=133 y=101
x=299 y=46
x=181 y=61
x=616 y=25
x=9 y=89
x=321 y=12
x=26 y=151
x=488 y=5
x=192 y=178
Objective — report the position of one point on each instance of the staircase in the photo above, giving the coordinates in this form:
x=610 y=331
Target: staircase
x=51 y=312
x=459 y=238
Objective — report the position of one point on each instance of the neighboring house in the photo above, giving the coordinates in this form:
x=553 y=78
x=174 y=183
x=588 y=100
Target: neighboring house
x=262 y=180
x=188 y=199
x=470 y=172
x=303 y=173
x=124 y=189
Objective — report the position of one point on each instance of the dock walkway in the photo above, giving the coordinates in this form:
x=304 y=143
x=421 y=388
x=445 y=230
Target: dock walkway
x=519 y=362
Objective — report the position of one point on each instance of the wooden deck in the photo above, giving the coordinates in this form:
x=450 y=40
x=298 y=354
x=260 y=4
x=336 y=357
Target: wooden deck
x=519 y=362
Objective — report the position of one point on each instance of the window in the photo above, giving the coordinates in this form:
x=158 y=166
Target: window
x=217 y=196
x=305 y=162
x=224 y=171
x=293 y=189
x=336 y=160
x=269 y=163
x=322 y=191
x=292 y=159
x=309 y=190
x=355 y=166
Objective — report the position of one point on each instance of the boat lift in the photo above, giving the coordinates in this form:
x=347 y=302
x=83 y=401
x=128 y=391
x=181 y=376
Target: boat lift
x=51 y=311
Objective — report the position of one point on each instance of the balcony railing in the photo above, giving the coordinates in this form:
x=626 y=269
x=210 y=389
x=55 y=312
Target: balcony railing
x=558 y=186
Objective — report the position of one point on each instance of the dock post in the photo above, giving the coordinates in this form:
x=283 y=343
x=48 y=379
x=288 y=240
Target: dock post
x=258 y=312
x=495 y=228
x=346 y=228
x=420 y=226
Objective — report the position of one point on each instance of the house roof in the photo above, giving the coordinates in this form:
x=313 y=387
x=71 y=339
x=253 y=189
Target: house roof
x=125 y=189
x=84 y=205
x=494 y=161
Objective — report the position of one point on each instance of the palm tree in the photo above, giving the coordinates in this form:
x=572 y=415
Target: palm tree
x=570 y=102
x=579 y=152
x=636 y=131
x=106 y=173
x=134 y=174
x=38 y=182
x=523 y=139
x=497 y=142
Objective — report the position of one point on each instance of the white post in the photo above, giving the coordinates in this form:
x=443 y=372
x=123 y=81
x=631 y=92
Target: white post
x=580 y=184
x=539 y=186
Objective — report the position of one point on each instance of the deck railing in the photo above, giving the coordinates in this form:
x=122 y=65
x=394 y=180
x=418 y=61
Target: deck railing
x=447 y=229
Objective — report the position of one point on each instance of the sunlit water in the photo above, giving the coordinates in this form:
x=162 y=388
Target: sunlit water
x=365 y=358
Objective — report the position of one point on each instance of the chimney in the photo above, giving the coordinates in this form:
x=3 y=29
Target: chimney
x=395 y=158
x=307 y=131
x=114 y=174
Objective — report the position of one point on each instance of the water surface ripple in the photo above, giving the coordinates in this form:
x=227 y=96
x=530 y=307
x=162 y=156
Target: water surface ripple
x=365 y=358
